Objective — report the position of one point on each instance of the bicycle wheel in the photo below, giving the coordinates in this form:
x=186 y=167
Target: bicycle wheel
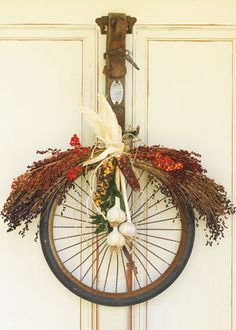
x=142 y=269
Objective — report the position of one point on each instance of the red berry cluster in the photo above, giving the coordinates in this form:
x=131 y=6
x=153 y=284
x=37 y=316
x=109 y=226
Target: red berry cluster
x=74 y=172
x=75 y=142
x=78 y=149
x=166 y=163
x=190 y=160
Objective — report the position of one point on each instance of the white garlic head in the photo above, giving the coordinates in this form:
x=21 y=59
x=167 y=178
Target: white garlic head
x=128 y=229
x=115 y=216
x=115 y=239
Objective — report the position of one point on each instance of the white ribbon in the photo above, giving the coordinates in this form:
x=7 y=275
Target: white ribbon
x=123 y=188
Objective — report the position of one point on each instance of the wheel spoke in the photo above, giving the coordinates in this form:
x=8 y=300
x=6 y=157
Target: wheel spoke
x=144 y=203
x=74 y=219
x=78 y=243
x=75 y=209
x=143 y=266
x=148 y=260
x=164 y=229
x=74 y=227
x=87 y=247
x=100 y=265
x=158 y=246
x=86 y=180
x=152 y=252
x=81 y=189
x=140 y=194
x=157 y=221
x=158 y=237
x=92 y=263
x=72 y=236
x=108 y=268
x=153 y=215
x=123 y=263
x=157 y=202
x=133 y=269
x=75 y=199
x=117 y=270
x=87 y=256
x=137 y=280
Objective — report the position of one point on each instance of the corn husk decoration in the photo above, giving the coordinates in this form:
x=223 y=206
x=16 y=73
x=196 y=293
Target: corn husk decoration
x=183 y=179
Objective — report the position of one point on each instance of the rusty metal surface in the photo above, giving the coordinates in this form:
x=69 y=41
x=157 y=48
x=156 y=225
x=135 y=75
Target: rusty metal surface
x=116 y=26
x=103 y=23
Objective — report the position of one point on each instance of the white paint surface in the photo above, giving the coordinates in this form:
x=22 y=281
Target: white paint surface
x=196 y=116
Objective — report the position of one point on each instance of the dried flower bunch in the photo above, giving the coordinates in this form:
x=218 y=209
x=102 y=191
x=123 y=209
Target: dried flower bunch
x=31 y=191
x=180 y=172
x=186 y=183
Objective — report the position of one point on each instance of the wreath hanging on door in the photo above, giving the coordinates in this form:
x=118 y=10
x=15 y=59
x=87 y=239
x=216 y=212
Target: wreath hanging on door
x=117 y=219
x=184 y=181
x=128 y=201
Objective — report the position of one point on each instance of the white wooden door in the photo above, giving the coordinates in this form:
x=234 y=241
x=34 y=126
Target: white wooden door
x=183 y=97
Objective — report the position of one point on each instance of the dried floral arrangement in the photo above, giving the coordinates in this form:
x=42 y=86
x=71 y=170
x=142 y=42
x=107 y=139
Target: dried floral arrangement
x=180 y=172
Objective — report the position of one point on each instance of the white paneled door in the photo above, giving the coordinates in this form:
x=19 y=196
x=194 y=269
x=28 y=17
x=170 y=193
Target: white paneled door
x=182 y=97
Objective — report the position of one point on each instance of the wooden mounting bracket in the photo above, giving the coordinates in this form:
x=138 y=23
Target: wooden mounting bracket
x=116 y=26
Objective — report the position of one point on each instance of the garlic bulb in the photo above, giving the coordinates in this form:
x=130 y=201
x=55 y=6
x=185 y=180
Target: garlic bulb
x=115 y=215
x=115 y=239
x=128 y=229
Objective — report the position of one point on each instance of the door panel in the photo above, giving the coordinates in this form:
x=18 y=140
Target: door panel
x=184 y=100
x=45 y=73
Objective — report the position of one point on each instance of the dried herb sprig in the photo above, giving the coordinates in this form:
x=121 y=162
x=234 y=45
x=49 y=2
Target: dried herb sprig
x=197 y=191
x=190 y=161
x=32 y=190
x=179 y=171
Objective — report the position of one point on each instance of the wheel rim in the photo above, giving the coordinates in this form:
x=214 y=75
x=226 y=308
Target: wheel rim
x=83 y=262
